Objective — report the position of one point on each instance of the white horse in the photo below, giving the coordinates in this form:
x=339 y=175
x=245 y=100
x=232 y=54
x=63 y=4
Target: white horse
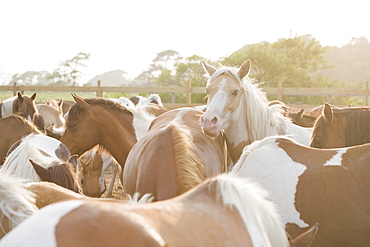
x=239 y=107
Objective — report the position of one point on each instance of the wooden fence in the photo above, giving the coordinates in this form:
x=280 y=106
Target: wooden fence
x=189 y=90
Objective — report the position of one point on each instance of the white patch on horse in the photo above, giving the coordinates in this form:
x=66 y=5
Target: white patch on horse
x=7 y=107
x=141 y=121
x=336 y=160
x=270 y=165
x=47 y=219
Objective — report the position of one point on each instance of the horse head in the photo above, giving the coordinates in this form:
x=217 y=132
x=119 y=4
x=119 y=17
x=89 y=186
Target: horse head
x=25 y=106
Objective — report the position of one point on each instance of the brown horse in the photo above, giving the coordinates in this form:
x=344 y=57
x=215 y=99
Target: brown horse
x=341 y=127
x=100 y=121
x=222 y=211
x=297 y=116
x=12 y=129
x=19 y=105
x=41 y=158
x=309 y=185
x=174 y=156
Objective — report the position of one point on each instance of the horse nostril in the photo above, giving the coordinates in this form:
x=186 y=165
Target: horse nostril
x=214 y=120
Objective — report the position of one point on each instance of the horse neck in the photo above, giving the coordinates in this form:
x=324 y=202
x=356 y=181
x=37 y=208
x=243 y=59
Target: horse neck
x=120 y=140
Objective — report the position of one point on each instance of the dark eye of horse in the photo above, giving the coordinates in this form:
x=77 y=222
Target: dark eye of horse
x=235 y=93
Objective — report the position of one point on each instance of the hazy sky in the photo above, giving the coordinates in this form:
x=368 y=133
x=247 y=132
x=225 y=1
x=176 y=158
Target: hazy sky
x=128 y=34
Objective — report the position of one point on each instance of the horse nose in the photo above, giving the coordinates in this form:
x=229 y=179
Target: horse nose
x=208 y=123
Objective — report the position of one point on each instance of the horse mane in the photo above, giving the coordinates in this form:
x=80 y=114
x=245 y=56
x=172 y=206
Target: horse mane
x=260 y=117
x=259 y=215
x=30 y=126
x=189 y=169
x=17 y=203
x=63 y=174
x=357 y=129
x=74 y=111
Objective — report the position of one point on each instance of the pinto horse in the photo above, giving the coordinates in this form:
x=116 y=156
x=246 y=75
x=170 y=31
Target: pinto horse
x=174 y=156
x=49 y=115
x=94 y=164
x=222 y=211
x=341 y=127
x=20 y=105
x=237 y=106
x=42 y=158
x=12 y=129
x=309 y=185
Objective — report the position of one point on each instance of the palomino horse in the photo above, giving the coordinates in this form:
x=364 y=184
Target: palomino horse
x=309 y=185
x=94 y=164
x=173 y=157
x=222 y=211
x=100 y=121
x=17 y=203
x=12 y=129
x=20 y=105
x=341 y=127
x=41 y=158
x=237 y=106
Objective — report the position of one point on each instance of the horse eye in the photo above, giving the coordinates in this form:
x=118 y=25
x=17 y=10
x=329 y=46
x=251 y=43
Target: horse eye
x=235 y=93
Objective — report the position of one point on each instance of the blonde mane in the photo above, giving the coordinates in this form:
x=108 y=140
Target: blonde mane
x=17 y=203
x=189 y=169
x=260 y=117
x=259 y=215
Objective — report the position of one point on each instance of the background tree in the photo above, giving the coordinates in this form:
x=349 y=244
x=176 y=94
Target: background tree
x=292 y=61
x=69 y=71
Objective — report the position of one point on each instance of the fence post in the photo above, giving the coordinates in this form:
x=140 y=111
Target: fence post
x=279 y=91
x=366 y=93
x=99 y=93
x=173 y=98
x=188 y=93
x=15 y=88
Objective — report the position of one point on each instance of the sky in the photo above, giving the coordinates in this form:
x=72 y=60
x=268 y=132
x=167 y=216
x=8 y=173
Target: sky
x=128 y=34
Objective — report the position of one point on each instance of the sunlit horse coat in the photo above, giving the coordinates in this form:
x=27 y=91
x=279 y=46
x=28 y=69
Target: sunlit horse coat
x=309 y=186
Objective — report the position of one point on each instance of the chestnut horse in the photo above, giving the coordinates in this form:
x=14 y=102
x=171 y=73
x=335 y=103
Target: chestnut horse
x=17 y=203
x=41 y=158
x=309 y=185
x=341 y=127
x=12 y=129
x=237 y=106
x=100 y=121
x=19 y=105
x=174 y=156
x=222 y=211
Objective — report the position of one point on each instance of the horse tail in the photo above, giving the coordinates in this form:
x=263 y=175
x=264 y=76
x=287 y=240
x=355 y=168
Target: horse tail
x=259 y=215
x=189 y=169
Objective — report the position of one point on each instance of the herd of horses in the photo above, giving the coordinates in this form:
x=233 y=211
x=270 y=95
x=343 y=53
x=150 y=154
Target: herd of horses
x=240 y=171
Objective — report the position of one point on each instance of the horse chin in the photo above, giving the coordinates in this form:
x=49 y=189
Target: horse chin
x=211 y=133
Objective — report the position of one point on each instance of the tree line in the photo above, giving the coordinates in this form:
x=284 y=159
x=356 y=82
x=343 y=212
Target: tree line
x=298 y=61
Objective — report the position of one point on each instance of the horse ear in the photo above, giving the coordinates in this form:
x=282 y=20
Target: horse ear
x=33 y=97
x=73 y=160
x=20 y=97
x=300 y=113
x=244 y=69
x=208 y=68
x=80 y=102
x=306 y=238
x=328 y=113
x=43 y=173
